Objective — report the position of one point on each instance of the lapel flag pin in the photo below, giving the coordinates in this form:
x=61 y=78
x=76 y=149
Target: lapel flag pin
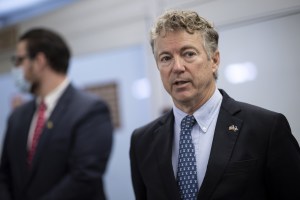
x=233 y=128
x=49 y=125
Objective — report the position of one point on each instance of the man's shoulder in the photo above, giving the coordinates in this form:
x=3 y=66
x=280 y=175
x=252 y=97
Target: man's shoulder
x=236 y=106
x=83 y=97
x=24 y=108
x=79 y=104
x=151 y=127
x=253 y=110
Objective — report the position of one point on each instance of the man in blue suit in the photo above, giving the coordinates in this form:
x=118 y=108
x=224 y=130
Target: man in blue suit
x=57 y=145
x=209 y=146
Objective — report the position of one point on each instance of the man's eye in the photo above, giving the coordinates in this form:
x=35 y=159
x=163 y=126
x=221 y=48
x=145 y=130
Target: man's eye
x=165 y=58
x=189 y=54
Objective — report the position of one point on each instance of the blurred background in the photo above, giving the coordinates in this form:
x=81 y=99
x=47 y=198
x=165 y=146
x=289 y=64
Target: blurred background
x=259 y=45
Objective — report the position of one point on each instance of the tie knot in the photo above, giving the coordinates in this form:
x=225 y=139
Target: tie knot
x=42 y=106
x=188 y=122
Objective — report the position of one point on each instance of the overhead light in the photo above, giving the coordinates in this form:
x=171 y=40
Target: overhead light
x=13 y=5
x=240 y=72
x=141 y=89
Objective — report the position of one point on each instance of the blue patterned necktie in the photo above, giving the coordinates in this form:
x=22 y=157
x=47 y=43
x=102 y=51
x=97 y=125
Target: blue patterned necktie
x=187 y=169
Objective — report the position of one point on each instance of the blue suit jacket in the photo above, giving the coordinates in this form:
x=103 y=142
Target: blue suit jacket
x=260 y=159
x=71 y=155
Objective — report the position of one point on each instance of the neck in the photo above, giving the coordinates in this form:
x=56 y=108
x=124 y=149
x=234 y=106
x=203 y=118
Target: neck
x=49 y=83
x=191 y=106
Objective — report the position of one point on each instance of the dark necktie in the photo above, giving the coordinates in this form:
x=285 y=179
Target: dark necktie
x=187 y=169
x=37 y=131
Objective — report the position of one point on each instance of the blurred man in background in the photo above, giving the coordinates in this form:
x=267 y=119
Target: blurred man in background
x=57 y=145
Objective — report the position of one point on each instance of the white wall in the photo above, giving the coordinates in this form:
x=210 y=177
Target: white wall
x=273 y=46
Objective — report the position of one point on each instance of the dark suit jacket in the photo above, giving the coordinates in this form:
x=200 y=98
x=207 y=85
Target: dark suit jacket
x=71 y=155
x=259 y=161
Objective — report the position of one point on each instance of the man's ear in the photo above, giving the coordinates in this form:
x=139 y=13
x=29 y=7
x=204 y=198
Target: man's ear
x=215 y=59
x=41 y=59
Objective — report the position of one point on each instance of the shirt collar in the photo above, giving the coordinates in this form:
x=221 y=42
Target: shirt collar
x=52 y=98
x=205 y=114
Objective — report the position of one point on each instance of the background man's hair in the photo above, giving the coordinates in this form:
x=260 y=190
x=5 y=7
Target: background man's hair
x=51 y=44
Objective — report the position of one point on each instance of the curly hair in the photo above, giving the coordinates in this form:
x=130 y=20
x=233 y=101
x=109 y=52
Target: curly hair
x=189 y=21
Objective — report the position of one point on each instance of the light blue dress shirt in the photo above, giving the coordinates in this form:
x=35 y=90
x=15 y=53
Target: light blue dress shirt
x=202 y=133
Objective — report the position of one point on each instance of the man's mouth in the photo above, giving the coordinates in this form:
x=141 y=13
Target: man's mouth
x=180 y=82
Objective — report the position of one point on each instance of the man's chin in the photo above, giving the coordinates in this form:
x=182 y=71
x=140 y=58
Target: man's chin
x=183 y=99
x=182 y=95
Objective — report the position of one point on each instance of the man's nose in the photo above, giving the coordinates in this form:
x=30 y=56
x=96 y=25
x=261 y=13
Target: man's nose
x=178 y=64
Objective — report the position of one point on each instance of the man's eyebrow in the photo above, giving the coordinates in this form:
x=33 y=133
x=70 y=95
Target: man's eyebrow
x=161 y=53
x=181 y=50
x=189 y=47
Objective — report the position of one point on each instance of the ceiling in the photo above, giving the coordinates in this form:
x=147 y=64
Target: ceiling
x=14 y=11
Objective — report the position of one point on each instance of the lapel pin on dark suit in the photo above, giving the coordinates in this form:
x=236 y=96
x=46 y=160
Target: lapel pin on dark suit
x=233 y=128
x=49 y=124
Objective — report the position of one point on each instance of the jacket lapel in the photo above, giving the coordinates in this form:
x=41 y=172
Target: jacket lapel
x=164 y=135
x=226 y=133
x=21 y=145
x=51 y=125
